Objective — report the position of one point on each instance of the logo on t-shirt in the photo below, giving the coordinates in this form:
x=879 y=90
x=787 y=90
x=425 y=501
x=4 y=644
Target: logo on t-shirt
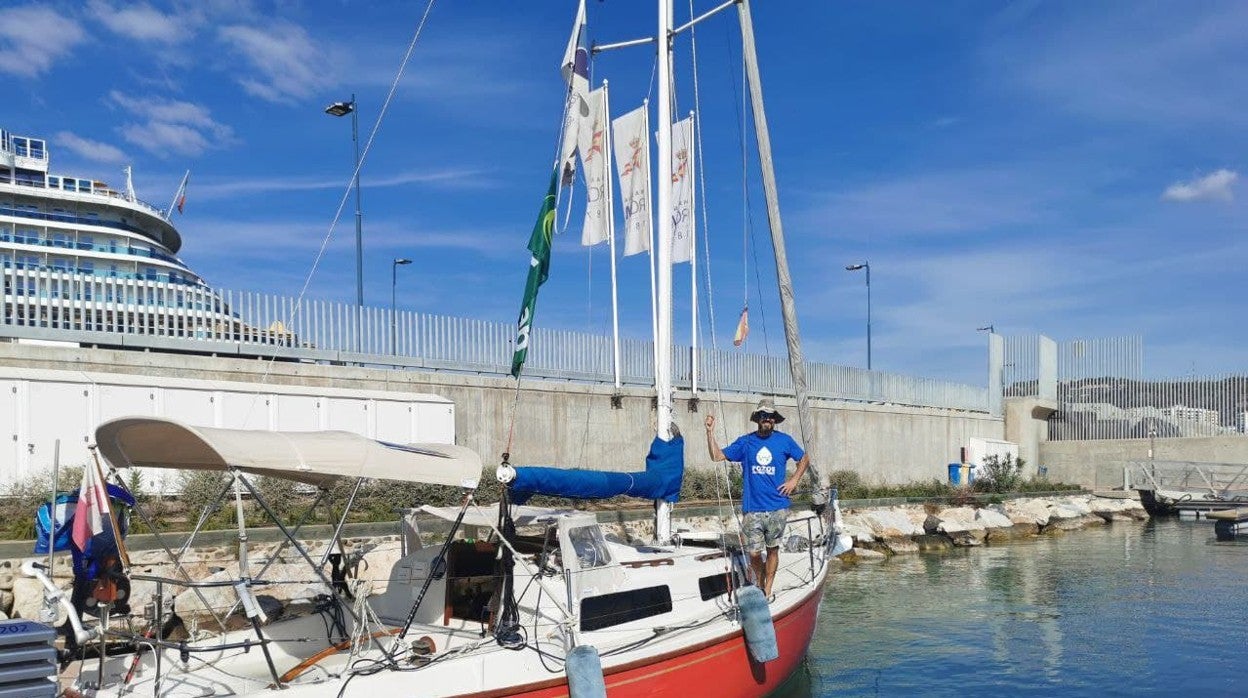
x=764 y=467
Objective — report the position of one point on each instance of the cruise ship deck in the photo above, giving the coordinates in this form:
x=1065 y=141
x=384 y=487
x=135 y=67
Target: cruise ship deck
x=77 y=252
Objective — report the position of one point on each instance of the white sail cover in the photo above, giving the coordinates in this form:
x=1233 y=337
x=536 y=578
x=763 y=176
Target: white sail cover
x=312 y=457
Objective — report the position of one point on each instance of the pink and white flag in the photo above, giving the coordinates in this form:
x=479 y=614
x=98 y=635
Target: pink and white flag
x=632 y=163
x=92 y=508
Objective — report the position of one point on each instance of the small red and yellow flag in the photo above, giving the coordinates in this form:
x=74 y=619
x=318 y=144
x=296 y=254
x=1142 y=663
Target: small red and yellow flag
x=743 y=327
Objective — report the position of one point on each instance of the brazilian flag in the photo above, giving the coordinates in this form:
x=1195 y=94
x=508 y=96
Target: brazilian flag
x=539 y=269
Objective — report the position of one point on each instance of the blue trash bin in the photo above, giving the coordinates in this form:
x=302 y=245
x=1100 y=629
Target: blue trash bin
x=955 y=473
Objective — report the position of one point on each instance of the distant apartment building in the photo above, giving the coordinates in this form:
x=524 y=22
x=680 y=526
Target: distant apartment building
x=1191 y=415
x=1181 y=419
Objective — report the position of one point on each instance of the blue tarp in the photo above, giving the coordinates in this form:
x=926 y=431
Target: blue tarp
x=58 y=532
x=665 y=469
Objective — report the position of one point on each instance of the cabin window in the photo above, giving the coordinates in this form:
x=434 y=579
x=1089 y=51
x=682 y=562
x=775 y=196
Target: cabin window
x=717 y=585
x=590 y=546
x=604 y=611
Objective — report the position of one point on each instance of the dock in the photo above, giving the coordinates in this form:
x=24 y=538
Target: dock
x=1229 y=522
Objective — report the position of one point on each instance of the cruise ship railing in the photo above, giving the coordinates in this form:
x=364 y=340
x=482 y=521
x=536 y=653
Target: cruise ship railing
x=143 y=313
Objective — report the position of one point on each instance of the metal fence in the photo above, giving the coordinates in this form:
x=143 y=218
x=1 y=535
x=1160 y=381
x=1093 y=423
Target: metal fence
x=1101 y=392
x=151 y=314
x=1108 y=407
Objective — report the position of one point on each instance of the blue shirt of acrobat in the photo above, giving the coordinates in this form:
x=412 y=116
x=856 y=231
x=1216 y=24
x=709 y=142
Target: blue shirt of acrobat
x=762 y=466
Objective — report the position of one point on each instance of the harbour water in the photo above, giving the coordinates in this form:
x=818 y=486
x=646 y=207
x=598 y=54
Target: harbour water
x=1140 y=609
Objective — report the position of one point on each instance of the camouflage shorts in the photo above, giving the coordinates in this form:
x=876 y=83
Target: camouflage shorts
x=764 y=529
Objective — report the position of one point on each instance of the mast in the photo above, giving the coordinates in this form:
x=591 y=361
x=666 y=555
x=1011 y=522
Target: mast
x=609 y=203
x=693 y=258
x=663 y=333
x=797 y=365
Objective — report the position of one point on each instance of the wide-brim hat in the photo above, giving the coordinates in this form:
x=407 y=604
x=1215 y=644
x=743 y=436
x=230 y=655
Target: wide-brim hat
x=768 y=407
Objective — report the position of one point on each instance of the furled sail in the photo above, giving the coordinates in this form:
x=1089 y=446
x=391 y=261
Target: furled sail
x=665 y=470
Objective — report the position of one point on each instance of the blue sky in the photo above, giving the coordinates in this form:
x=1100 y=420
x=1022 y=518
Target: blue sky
x=1072 y=169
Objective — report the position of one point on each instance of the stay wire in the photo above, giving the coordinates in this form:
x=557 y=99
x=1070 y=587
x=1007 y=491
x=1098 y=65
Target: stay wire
x=709 y=295
x=346 y=195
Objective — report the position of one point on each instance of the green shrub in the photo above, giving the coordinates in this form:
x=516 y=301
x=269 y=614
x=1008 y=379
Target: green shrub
x=1000 y=474
x=845 y=480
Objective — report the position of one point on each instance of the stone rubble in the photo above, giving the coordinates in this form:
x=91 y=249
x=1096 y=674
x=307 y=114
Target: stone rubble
x=877 y=532
x=883 y=531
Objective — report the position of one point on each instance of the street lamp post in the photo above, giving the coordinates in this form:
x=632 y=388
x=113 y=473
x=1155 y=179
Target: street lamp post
x=866 y=266
x=394 y=282
x=342 y=109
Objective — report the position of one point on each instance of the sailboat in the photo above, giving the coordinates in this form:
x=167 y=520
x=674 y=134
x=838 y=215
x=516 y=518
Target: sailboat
x=547 y=604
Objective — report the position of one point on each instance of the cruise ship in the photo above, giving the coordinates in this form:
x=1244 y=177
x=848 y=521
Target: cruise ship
x=81 y=256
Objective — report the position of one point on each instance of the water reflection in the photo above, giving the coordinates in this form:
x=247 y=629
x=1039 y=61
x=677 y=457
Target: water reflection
x=1126 y=609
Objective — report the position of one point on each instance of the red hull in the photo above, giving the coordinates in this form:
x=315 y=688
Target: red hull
x=722 y=667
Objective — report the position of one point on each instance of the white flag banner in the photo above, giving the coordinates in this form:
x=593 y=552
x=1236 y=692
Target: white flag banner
x=632 y=163
x=593 y=146
x=682 y=191
x=575 y=69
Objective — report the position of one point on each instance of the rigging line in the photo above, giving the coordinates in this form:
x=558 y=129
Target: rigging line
x=558 y=165
x=346 y=195
x=748 y=242
x=747 y=216
x=706 y=251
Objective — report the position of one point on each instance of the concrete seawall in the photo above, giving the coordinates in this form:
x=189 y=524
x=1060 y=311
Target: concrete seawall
x=1099 y=463
x=574 y=424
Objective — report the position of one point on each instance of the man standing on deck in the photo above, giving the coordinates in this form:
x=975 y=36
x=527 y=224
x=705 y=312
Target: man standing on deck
x=763 y=455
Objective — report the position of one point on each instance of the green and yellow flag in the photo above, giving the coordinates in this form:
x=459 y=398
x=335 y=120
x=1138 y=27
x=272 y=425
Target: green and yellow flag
x=539 y=269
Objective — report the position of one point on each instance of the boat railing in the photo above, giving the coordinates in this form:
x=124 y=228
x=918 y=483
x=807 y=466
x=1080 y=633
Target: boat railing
x=1213 y=480
x=100 y=192
x=76 y=220
x=251 y=609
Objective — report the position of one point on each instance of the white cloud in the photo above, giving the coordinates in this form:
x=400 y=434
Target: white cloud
x=170 y=126
x=449 y=179
x=1212 y=187
x=89 y=149
x=286 y=64
x=32 y=38
x=142 y=22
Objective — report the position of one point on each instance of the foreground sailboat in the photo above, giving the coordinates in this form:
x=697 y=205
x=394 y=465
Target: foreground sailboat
x=661 y=620
x=546 y=604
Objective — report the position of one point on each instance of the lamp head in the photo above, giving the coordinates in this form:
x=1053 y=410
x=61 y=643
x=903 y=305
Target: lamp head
x=401 y=260
x=340 y=108
x=855 y=267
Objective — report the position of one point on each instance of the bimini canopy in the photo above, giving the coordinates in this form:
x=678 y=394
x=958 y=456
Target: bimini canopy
x=312 y=457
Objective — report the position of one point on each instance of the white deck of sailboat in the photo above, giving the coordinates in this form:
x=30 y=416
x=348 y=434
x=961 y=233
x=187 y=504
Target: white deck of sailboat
x=467 y=659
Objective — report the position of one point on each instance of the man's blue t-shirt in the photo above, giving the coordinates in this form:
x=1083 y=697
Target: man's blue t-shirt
x=762 y=465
